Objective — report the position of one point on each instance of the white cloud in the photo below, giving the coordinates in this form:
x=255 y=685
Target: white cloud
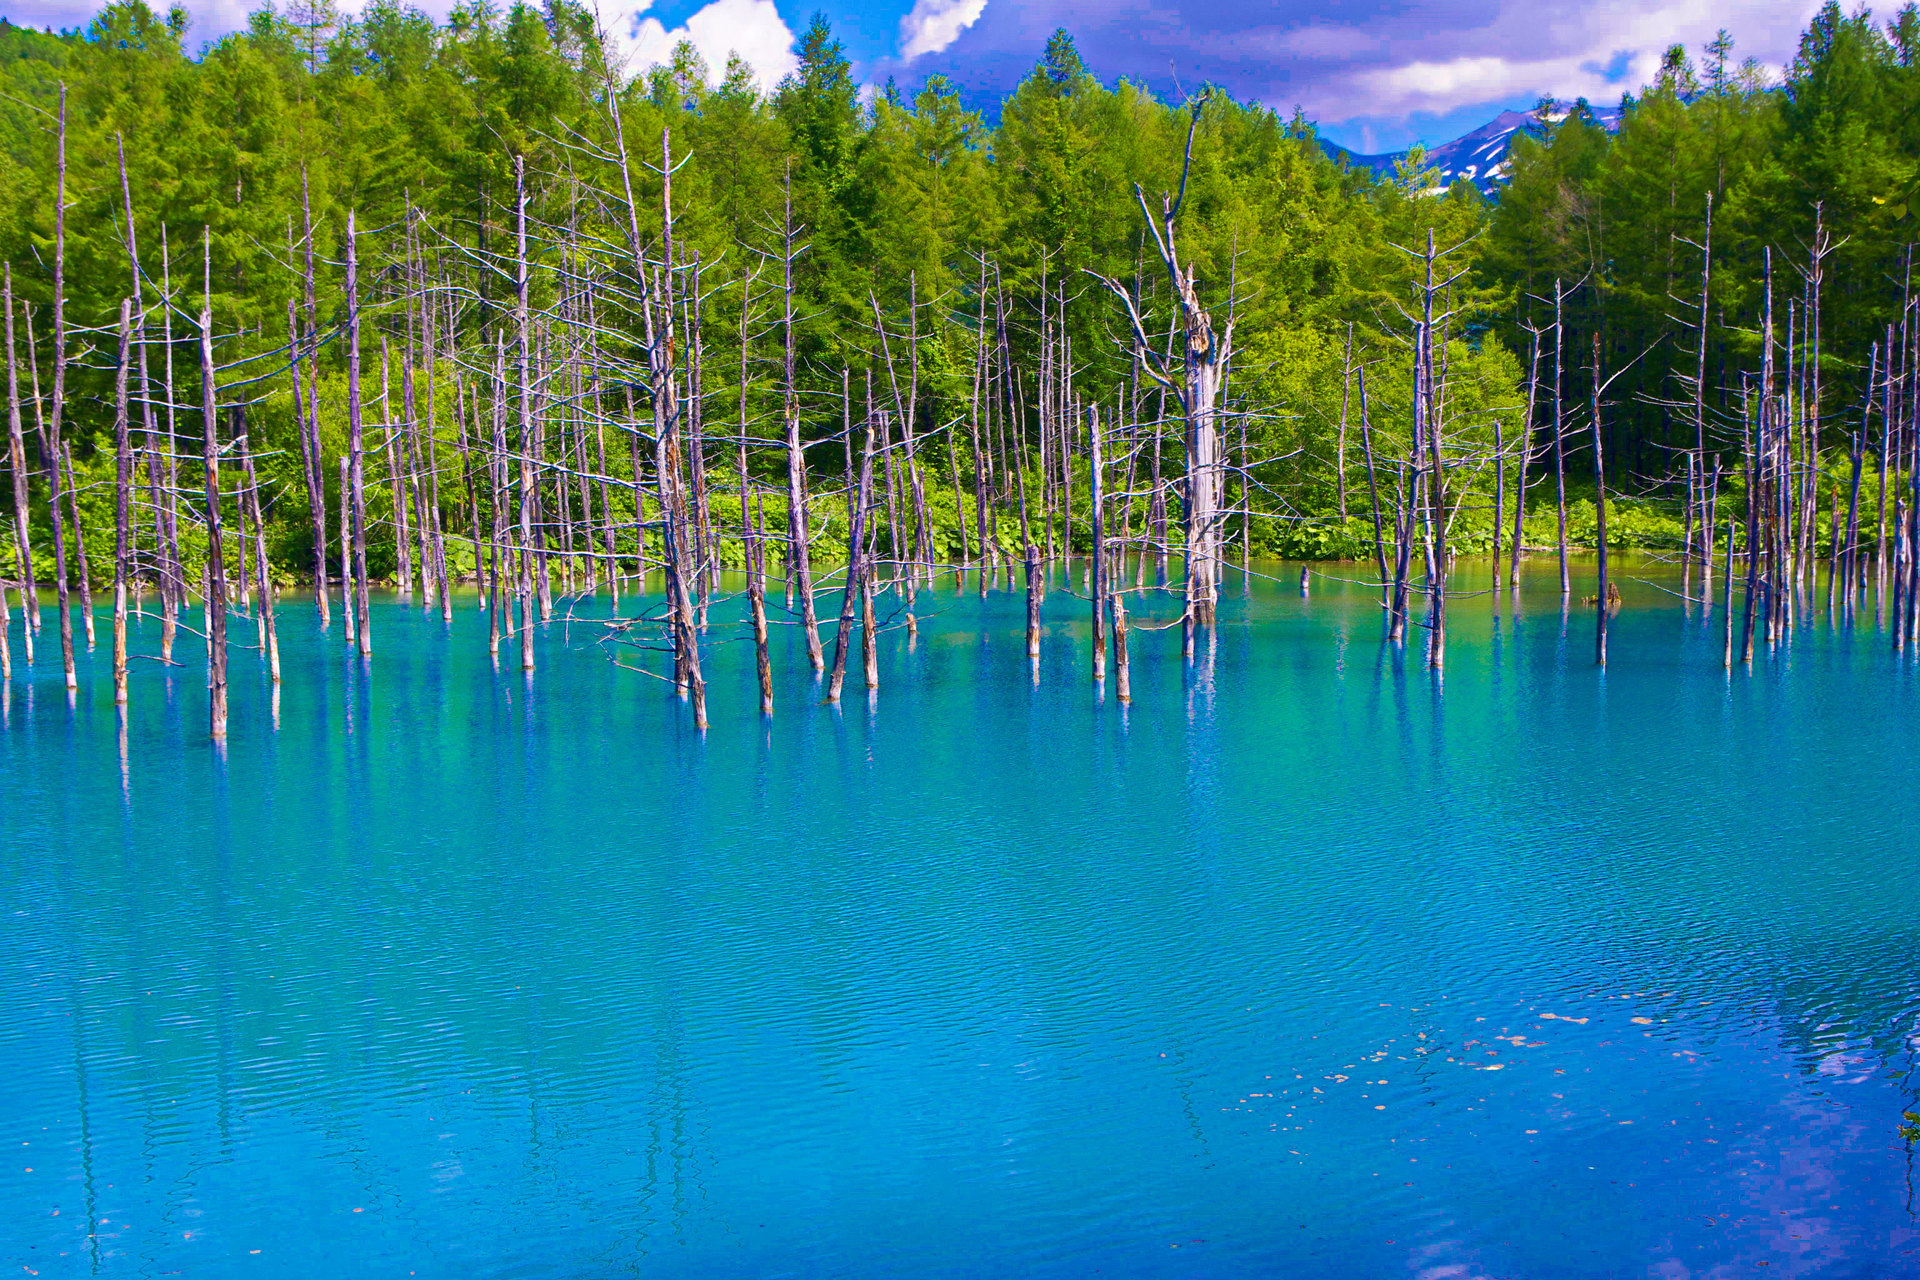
x=752 y=29
x=1441 y=86
x=1596 y=52
x=932 y=25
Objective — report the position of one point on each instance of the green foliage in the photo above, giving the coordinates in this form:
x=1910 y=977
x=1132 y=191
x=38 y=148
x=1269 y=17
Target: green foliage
x=1830 y=146
x=905 y=205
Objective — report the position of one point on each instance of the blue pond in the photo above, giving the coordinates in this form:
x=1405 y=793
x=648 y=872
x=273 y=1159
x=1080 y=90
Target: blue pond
x=1307 y=964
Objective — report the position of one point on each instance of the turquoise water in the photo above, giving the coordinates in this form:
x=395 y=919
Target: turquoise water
x=1304 y=965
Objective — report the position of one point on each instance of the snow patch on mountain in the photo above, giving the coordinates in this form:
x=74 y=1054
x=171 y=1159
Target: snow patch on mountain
x=1483 y=157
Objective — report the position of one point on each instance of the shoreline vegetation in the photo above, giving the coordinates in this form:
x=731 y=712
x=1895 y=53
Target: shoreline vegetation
x=343 y=301
x=1651 y=525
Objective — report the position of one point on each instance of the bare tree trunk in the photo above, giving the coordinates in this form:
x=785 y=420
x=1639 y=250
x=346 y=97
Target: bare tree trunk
x=923 y=534
x=523 y=365
x=1700 y=387
x=81 y=568
x=1340 y=446
x=1099 y=532
x=1727 y=621
x=347 y=611
x=6 y=642
x=1204 y=472
x=1403 y=551
x=798 y=533
x=407 y=447
x=500 y=607
x=1559 y=439
x=749 y=531
x=1750 y=433
x=982 y=387
x=396 y=482
x=856 y=572
x=1033 y=608
x=757 y=598
x=1428 y=393
x=465 y=450
x=869 y=647
x=174 y=569
x=1603 y=603
x=703 y=545
x=51 y=443
x=134 y=303
x=1911 y=622
x=356 y=449
x=216 y=561
x=1499 y=503
x=1813 y=393
x=17 y=456
x=122 y=502
x=309 y=426
x=667 y=422
x=1198 y=386
x=1520 y=484
x=1373 y=493
x=249 y=508
x=310 y=466
x=1711 y=513
x=56 y=488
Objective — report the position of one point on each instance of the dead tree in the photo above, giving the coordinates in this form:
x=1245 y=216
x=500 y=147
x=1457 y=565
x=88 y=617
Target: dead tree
x=523 y=377
x=50 y=442
x=798 y=534
x=1097 y=496
x=356 y=452
x=852 y=589
x=309 y=425
x=122 y=487
x=17 y=459
x=1195 y=382
x=216 y=560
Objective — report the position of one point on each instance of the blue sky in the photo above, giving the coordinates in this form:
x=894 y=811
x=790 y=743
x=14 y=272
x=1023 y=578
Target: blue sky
x=1377 y=74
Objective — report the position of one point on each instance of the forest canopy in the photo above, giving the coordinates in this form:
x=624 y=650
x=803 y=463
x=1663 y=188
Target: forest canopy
x=841 y=225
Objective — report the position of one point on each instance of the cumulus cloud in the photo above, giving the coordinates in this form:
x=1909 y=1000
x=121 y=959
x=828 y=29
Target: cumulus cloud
x=1591 y=52
x=1373 y=65
x=931 y=25
x=1444 y=86
x=753 y=29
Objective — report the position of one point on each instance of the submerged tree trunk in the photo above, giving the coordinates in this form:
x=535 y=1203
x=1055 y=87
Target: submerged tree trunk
x=1559 y=437
x=17 y=457
x=523 y=376
x=1603 y=602
x=1197 y=383
x=757 y=600
x=80 y=565
x=799 y=557
x=51 y=442
x=856 y=571
x=1095 y=484
x=356 y=451
x=309 y=426
x=216 y=559
x=122 y=492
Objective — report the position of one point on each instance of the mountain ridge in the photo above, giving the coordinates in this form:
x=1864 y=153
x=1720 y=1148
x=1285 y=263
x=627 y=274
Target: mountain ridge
x=1481 y=156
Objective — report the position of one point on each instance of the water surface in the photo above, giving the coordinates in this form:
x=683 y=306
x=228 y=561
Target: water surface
x=1307 y=963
